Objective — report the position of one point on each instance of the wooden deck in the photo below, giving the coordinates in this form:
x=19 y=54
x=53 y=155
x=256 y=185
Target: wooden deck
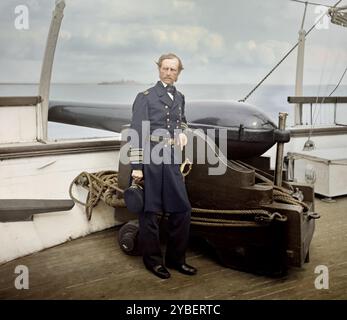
x=95 y=268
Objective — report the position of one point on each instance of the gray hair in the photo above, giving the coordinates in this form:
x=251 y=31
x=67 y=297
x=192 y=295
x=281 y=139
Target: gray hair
x=170 y=56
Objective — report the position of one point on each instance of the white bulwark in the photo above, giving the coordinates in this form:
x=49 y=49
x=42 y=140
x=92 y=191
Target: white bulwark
x=34 y=168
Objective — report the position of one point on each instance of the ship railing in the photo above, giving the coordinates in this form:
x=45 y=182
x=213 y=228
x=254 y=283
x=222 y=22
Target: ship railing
x=300 y=101
x=20 y=136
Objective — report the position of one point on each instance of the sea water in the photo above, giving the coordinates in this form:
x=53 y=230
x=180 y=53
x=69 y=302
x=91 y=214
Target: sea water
x=272 y=99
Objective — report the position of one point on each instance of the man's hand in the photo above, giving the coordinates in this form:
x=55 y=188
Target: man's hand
x=137 y=175
x=182 y=140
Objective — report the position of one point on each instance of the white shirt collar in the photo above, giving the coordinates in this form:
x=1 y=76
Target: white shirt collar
x=170 y=94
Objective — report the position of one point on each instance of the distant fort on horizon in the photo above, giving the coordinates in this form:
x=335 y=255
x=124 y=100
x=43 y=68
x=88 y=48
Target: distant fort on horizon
x=119 y=82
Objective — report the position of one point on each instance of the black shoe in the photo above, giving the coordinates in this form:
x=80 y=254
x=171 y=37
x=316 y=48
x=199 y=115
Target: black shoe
x=183 y=268
x=160 y=271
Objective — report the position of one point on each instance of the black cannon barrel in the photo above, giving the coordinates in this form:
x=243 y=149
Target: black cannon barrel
x=250 y=132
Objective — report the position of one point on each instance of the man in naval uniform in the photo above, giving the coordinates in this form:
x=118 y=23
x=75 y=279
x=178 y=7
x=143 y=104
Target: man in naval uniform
x=164 y=189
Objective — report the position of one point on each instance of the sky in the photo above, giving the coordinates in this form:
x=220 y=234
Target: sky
x=220 y=41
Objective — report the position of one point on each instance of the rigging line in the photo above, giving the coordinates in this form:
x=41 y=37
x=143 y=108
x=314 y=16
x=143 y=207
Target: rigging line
x=338 y=84
x=329 y=81
x=273 y=69
x=286 y=55
x=317 y=109
x=313 y=3
x=334 y=91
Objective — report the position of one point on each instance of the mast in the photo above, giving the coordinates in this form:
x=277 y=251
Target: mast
x=338 y=16
x=300 y=70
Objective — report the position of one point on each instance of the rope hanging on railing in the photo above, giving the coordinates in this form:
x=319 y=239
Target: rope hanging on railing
x=101 y=185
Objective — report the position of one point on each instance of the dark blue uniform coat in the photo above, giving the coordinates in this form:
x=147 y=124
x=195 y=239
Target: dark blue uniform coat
x=164 y=185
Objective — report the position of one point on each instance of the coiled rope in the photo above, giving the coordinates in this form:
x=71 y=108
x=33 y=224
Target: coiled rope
x=101 y=185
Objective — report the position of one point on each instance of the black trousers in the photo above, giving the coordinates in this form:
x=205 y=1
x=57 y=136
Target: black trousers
x=177 y=242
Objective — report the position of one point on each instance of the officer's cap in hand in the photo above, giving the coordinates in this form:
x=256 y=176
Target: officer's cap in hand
x=134 y=198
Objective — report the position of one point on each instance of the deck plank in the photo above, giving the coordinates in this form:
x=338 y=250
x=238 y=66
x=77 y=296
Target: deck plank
x=94 y=267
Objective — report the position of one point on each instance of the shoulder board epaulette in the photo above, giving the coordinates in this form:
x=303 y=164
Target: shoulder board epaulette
x=145 y=92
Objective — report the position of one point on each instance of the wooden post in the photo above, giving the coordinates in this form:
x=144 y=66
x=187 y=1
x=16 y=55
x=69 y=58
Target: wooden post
x=280 y=146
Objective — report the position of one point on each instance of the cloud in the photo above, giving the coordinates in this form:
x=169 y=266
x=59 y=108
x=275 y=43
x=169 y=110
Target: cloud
x=218 y=41
x=65 y=35
x=266 y=53
x=192 y=39
x=185 y=5
x=105 y=40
